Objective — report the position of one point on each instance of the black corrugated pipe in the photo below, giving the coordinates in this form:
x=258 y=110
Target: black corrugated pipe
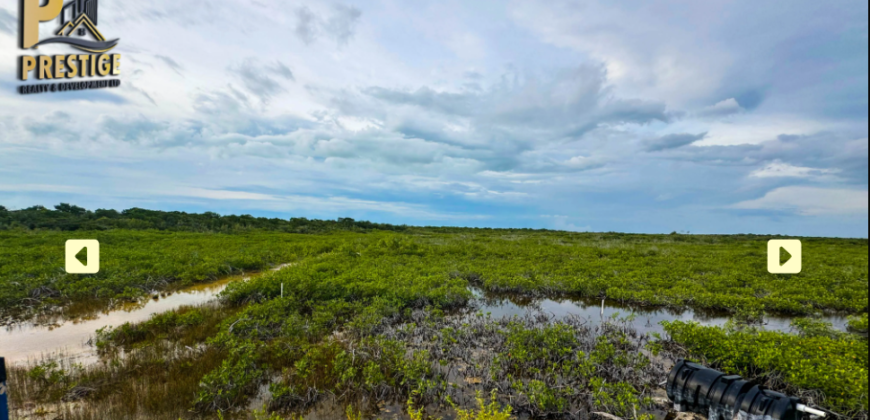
x=699 y=389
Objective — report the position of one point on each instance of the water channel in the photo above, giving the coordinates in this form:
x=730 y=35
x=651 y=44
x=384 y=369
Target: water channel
x=71 y=336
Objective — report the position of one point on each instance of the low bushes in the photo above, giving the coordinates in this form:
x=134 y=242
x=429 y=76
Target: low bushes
x=827 y=367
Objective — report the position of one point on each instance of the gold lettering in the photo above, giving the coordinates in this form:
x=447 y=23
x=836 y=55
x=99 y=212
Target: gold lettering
x=105 y=66
x=73 y=67
x=28 y=63
x=84 y=58
x=116 y=64
x=58 y=66
x=44 y=67
x=94 y=66
x=32 y=14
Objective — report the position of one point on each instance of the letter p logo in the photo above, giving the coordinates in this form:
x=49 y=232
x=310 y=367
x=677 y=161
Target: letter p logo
x=32 y=13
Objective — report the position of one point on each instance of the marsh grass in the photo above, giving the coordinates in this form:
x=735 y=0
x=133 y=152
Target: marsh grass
x=541 y=367
x=821 y=365
x=147 y=370
x=384 y=317
x=441 y=362
x=134 y=263
x=185 y=326
x=701 y=271
x=156 y=381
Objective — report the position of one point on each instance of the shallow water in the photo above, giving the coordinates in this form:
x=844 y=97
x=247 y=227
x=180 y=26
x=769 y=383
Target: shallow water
x=646 y=320
x=32 y=341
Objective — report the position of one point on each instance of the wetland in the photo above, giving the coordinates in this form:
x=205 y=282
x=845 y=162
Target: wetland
x=417 y=323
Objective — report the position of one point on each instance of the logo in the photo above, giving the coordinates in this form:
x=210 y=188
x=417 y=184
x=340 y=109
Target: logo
x=784 y=256
x=78 y=25
x=78 y=29
x=92 y=250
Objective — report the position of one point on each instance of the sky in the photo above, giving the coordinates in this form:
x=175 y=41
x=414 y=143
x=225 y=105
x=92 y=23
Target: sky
x=629 y=116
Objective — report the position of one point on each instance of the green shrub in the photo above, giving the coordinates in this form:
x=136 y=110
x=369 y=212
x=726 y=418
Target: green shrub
x=858 y=323
x=235 y=379
x=491 y=410
x=834 y=365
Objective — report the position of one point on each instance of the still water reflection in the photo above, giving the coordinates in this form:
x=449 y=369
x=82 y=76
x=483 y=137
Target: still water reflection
x=32 y=341
x=21 y=342
x=646 y=320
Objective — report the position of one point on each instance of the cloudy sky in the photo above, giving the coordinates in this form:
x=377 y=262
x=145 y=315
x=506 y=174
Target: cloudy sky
x=633 y=116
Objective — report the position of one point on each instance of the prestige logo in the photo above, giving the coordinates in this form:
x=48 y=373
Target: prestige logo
x=76 y=17
x=78 y=29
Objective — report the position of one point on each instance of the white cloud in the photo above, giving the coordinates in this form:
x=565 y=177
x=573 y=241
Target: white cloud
x=722 y=108
x=647 y=52
x=560 y=222
x=346 y=204
x=583 y=162
x=531 y=106
x=41 y=188
x=811 y=201
x=672 y=141
x=756 y=129
x=779 y=169
x=215 y=194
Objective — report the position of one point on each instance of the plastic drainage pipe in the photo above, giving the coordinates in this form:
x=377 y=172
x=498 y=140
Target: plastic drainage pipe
x=699 y=389
x=4 y=392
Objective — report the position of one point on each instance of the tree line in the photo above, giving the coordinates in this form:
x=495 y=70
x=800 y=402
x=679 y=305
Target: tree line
x=68 y=217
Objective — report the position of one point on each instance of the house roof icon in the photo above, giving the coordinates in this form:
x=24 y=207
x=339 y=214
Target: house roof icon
x=82 y=23
x=80 y=15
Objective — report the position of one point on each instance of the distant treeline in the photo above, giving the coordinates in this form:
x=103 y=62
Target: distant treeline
x=70 y=217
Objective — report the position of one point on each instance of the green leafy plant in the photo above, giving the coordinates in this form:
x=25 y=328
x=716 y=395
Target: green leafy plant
x=834 y=365
x=486 y=410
